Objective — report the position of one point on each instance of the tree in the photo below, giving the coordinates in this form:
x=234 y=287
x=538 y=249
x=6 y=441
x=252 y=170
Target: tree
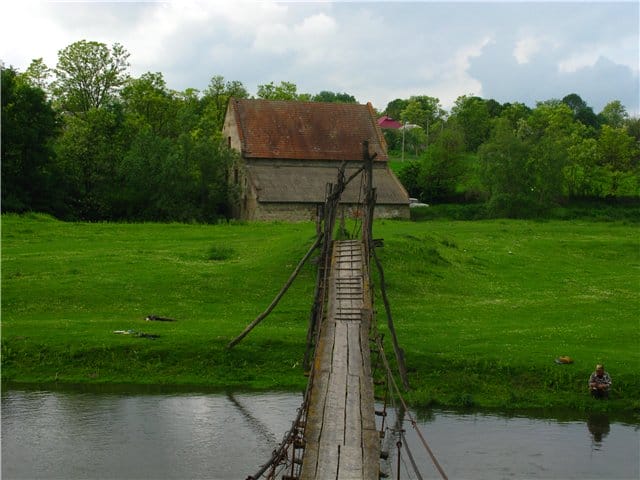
x=29 y=127
x=580 y=173
x=333 y=97
x=88 y=74
x=550 y=118
x=471 y=114
x=215 y=100
x=617 y=149
x=549 y=131
x=505 y=172
x=148 y=102
x=422 y=110
x=140 y=174
x=632 y=125
x=89 y=152
x=283 y=91
x=614 y=114
x=395 y=107
x=38 y=74
x=495 y=108
x=408 y=176
x=515 y=112
x=415 y=140
x=442 y=166
x=582 y=112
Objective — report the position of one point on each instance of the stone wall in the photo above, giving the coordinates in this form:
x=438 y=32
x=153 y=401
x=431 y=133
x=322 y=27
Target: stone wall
x=301 y=212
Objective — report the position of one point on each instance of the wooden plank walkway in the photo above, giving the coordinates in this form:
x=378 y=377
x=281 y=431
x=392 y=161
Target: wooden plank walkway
x=341 y=440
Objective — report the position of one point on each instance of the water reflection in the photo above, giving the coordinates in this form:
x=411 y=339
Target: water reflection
x=256 y=425
x=93 y=435
x=477 y=445
x=61 y=435
x=599 y=427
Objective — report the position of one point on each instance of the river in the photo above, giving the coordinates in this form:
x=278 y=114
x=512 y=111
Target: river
x=69 y=435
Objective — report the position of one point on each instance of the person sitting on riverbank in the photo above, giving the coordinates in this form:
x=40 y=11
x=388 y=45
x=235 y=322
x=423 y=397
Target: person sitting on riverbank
x=599 y=383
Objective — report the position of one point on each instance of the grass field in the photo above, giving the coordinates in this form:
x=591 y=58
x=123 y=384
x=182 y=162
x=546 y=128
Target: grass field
x=482 y=308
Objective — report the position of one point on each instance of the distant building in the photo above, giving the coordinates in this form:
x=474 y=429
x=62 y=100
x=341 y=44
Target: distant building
x=388 y=122
x=289 y=151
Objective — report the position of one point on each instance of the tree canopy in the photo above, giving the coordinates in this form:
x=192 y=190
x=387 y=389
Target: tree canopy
x=88 y=74
x=29 y=129
x=85 y=140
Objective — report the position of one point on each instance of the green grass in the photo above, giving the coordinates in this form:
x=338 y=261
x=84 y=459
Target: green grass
x=481 y=308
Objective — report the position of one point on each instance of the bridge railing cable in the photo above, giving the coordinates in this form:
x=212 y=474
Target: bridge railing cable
x=292 y=438
x=414 y=424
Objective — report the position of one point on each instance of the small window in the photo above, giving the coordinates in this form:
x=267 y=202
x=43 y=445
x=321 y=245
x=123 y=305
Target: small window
x=229 y=142
x=235 y=175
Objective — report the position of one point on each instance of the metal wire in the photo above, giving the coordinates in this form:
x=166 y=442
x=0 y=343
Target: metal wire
x=412 y=420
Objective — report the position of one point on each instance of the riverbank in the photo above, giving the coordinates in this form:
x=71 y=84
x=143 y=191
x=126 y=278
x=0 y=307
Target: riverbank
x=482 y=308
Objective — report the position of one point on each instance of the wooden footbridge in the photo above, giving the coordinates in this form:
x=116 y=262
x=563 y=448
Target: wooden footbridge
x=334 y=435
x=341 y=439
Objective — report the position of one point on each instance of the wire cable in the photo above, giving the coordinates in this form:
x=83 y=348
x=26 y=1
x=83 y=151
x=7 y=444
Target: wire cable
x=412 y=420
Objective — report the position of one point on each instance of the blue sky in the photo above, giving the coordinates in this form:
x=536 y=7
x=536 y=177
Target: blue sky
x=376 y=51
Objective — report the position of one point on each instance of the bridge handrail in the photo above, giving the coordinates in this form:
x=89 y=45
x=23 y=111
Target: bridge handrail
x=413 y=422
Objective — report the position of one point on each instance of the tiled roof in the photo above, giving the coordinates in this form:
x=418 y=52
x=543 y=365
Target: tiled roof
x=388 y=122
x=306 y=130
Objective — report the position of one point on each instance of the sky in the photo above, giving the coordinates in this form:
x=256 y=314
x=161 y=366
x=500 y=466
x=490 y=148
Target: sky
x=511 y=51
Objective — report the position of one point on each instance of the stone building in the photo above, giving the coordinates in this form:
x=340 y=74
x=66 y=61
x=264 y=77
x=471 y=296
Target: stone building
x=289 y=151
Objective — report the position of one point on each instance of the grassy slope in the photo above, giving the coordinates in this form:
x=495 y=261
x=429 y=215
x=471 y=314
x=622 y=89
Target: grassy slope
x=482 y=308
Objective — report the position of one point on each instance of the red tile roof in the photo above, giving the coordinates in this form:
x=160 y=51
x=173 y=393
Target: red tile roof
x=306 y=130
x=388 y=122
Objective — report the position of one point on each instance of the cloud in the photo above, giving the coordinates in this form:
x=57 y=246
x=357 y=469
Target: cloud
x=502 y=78
x=376 y=51
x=307 y=39
x=528 y=46
x=623 y=51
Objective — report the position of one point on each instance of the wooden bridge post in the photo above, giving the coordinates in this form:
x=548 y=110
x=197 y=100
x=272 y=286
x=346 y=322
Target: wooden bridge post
x=367 y=214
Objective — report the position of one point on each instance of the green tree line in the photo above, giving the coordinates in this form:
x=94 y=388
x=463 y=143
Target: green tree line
x=519 y=161
x=85 y=140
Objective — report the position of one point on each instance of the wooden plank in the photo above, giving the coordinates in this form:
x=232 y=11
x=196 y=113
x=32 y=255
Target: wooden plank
x=355 y=353
x=353 y=420
x=371 y=455
x=317 y=402
x=327 y=469
x=350 y=462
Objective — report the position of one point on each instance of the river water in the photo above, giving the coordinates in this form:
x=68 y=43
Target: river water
x=119 y=435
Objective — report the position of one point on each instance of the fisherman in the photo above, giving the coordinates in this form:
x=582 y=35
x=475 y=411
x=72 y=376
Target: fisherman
x=599 y=383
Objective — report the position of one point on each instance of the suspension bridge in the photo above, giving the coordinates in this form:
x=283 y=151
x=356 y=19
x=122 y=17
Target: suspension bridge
x=334 y=435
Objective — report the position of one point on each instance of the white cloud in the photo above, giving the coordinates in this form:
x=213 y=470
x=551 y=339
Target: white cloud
x=525 y=48
x=23 y=25
x=578 y=61
x=623 y=51
x=376 y=51
x=311 y=33
x=457 y=80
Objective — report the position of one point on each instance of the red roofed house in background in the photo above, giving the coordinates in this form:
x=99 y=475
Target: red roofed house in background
x=289 y=151
x=388 y=122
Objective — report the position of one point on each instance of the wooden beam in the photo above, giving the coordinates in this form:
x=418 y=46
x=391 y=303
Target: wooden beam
x=275 y=301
